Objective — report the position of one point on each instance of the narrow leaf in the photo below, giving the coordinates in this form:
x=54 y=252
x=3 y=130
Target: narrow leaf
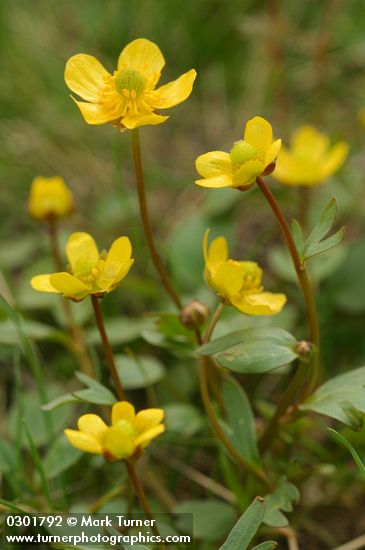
x=343 y=441
x=246 y=527
x=318 y=248
x=297 y=236
x=324 y=225
x=239 y=426
x=267 y=545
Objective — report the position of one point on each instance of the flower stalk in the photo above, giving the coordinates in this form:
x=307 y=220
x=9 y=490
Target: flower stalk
x=138 y=487
x=165 y=280
x=308 y=295
x=78 y=344
x=107 y=347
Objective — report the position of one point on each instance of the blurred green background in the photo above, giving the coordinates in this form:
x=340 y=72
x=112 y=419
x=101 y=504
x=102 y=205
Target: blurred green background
x=292 y=62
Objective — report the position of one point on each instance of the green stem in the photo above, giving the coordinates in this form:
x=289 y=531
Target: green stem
x=213 y=322
x=143 y=501
x=165 y=280
x=107 y=347
x=311 y=310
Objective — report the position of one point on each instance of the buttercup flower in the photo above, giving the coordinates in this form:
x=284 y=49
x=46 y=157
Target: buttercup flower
x=249 y=158
x=49 y=198
x=310 y=160
x=238 y=283
x=128 y=98
x=125 y=439
x=89 y=271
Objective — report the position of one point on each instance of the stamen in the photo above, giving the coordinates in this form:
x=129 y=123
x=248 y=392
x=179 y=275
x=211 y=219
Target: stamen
x=130 y=83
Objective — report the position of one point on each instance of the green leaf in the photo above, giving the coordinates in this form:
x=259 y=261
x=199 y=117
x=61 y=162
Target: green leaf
x=212 y=518
x=267 y=545
x=183 y=418
x=297 y=235
x=324 y=225
x=316 y=242
x=342 y=398
x=64 y=399
x=239 y=426
x=34 y=415
x=139 y=372
x=253 y=350
x=96 y=393
x=280 y=500
x=318 y=248
x=96 y=397
x=343 y=441
x=246 y=527
x=60 y=456
x=9 y=333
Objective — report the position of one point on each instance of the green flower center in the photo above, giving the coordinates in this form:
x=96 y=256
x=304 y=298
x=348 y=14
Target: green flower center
x=87 y=271
x=242 y=152
x=131 y=80
x=127 y=428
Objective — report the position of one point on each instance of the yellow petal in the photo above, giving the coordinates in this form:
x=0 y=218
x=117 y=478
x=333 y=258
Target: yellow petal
x=120 y=251
x=147 y=419
x=93 y=113
x=118 y=442
x=83 y=441
x=307 y=143
x=258 y=132
x=146 y=437
x=85 y=75
x=261 y=303
x=248 y=172
x=43 y=284
x=143 y=55
x=227 y=278
x=213 y=164
x=334 y=159
x=123 y=410
x=272 y=152
x=82 y=253
x=218 y=251
x=135 y=121
x=70 y=286
x=174 y=92
x=92 y=424
x=215 y=183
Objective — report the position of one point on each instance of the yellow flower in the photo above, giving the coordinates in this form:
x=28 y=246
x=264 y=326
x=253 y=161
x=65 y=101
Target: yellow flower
x=50 y=198
x=125 y=439
x=310 y=160
x=238 y=283
x=249 y=158
x=89 y=271
x=128 y=98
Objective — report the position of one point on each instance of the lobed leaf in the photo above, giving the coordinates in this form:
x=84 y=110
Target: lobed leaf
x=280 y=501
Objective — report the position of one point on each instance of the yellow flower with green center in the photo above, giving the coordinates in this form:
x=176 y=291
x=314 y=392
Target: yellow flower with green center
x=49 y=198
x=128 y=98
x=125 y=439
x=310 y=159
x=89 y=272
x=249 y=158
x=238 y=283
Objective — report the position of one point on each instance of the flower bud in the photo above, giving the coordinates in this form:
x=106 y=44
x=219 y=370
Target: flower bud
x=194 y=314
x=50 y=198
